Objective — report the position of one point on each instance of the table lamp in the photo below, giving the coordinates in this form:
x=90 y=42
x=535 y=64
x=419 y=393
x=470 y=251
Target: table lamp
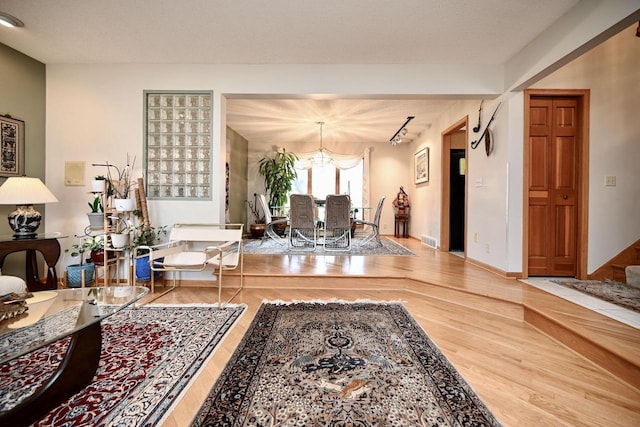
x=24 y=192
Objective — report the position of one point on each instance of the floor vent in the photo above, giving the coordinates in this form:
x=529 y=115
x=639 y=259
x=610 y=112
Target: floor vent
x=429 y=241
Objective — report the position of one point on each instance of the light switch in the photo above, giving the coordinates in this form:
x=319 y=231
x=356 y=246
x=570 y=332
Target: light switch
x=610 y=181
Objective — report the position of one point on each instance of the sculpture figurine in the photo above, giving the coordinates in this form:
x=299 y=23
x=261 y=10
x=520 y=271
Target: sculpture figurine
x=401 y=202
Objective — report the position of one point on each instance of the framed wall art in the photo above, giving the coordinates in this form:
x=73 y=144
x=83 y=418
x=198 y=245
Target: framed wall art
x=11 y=146
x=421 y=165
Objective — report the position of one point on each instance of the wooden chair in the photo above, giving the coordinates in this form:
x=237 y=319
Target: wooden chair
x=197 y=247
x=337 y=223
x=270 y=222
x=375 y=225
x=302 y=227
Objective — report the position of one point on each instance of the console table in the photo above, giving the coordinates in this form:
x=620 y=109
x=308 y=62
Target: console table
x=47 y=245
x=402 y=220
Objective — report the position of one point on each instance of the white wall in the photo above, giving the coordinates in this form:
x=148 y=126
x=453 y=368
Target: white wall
x=611 y=72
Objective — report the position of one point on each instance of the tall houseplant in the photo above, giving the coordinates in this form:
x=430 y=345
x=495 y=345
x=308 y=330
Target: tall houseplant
x=279 y=173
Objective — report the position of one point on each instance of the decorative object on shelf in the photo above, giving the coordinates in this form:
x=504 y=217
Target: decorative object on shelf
x=24 y=192
x=98 y=184
x=11 y=146
x=397 y=137
x=85 y=268
x=401 y=202
x=421 y=165
x=257 y=227
x=120 y=185
x=279 y=173
x=121 y=227
x=96 y=216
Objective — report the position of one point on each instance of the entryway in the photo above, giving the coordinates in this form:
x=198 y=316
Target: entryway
x=454 y=188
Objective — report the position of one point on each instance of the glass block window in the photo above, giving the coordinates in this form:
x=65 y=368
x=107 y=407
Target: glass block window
x=178 y=141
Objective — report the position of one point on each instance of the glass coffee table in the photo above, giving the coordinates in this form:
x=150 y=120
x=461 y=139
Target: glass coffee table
x=53 y=315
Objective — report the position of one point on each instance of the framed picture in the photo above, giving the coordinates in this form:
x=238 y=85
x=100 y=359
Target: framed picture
x=421 y=165
x=11 y=146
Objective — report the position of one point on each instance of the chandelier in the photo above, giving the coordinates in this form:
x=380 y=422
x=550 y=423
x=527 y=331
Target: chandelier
x=321 y=158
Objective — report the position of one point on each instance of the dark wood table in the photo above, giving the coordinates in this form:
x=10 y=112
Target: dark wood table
x=54 y=315
x=47 y=245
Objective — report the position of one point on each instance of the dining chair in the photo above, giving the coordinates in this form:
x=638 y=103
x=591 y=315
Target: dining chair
x=302 y=225
x=270 y=222
x=375 y=225
x=337 y=223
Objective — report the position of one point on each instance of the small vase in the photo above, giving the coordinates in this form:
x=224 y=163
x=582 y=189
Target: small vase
x=123 y=205
x=257 y=230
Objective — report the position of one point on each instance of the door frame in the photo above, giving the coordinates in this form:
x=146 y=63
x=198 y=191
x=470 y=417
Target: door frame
x=462 y=124
x=582 y=238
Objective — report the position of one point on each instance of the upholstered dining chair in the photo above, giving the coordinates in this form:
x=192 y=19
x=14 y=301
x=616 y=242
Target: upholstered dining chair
x=269 y=222
x=374 y=225
x=337 y=223
x=302 y=222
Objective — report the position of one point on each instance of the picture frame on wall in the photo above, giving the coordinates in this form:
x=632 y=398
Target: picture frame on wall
x=11 y=146
x=421 y=165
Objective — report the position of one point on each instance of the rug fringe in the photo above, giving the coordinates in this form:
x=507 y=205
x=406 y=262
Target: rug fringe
x=332 y=301
x=214 y=305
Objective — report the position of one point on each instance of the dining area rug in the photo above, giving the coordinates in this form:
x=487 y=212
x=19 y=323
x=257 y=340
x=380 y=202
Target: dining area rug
x=271 y=247
x=340 y=364
x=150 y=355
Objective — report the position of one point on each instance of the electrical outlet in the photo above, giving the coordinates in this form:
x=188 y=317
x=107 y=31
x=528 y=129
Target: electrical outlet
x=475 y=237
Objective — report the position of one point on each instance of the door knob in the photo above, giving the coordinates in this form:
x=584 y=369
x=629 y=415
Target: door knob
x=565 y=197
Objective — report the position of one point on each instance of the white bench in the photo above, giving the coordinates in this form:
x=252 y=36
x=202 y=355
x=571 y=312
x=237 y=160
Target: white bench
x=197 y=247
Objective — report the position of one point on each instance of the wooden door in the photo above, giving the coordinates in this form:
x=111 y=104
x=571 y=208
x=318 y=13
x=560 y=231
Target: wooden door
x=553 y=146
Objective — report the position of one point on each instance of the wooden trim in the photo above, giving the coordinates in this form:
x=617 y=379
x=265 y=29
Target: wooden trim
x=492 y=269
x=583 y=96
x=445 y=175
x=628 y=256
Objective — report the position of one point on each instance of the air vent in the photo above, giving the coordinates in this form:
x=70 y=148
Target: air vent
x=429 y=241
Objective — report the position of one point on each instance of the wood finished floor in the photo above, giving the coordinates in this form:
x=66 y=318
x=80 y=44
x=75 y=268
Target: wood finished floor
x=519 y=368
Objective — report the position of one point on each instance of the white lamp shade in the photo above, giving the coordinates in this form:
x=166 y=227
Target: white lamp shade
x=24 y=190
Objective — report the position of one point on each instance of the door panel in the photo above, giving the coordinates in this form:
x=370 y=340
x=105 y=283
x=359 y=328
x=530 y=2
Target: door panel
x=553 y=179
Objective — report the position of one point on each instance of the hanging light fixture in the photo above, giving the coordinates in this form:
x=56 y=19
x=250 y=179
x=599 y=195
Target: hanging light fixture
x=397 y=137
x=321 y=158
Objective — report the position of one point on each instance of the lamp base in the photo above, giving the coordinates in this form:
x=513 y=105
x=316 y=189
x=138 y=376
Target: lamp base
x=24 y=221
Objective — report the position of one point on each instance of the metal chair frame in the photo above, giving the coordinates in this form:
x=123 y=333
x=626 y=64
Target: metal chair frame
x=270 y=222
x=337 y=223
x=375 y=225
x=302 y=223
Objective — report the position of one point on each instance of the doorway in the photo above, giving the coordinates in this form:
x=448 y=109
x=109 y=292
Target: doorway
x=556 y=183
x=454 y=188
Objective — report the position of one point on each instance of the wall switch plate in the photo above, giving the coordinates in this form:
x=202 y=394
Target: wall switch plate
x=610 y=181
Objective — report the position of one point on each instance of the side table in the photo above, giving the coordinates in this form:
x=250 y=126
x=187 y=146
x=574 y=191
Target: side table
x=402 y=220
x=47 y=245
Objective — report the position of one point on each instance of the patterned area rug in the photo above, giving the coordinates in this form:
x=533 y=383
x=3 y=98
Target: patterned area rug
x=339 y=364
x=270 y=246
x=609 y=290
x=149 y=356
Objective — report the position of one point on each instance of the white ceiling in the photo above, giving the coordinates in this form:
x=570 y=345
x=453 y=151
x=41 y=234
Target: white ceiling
x=287 y=32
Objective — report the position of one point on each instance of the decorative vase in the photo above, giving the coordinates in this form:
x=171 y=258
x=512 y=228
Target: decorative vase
x=281 y=228
x=123 y=205
x=96 y=220
x=98 y=256
x=119 y=240
x=257 y=230
x=74 y=274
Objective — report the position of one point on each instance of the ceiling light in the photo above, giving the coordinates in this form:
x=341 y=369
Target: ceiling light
x=395 y=139
x=321 y=159
x=10 y=21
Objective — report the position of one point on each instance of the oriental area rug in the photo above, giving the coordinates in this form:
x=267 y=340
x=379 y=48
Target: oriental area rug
x=339 y=364
x=611 y=291
x=149 y=356
x=270 y=246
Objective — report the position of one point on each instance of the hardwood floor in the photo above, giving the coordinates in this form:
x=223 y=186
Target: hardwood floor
x=534 y=359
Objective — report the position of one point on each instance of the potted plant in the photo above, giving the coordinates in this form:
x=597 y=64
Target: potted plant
x=145 y=236
x=120 y=185
x=85 y=267
x=97 y=185
x=279 y=173
x=257 y=227
x=119 y=235
x=96 y=216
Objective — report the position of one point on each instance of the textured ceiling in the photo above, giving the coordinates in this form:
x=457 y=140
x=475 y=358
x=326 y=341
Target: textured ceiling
x=287 y=32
